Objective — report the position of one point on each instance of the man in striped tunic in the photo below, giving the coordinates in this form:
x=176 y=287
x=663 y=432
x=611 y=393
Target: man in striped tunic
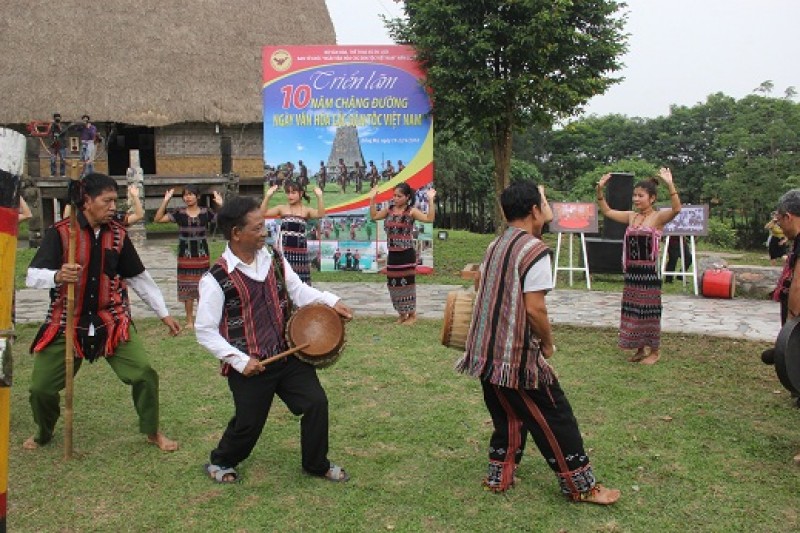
x=508 y=345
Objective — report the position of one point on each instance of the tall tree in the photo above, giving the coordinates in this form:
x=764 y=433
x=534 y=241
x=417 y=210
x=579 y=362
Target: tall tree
x=494 y=66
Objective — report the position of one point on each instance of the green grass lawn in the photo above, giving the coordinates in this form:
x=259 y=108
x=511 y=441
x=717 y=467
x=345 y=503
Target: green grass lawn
x=702 y=441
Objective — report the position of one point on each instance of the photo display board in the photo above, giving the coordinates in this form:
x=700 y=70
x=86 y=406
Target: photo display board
x=692 y=220
x=574 y=217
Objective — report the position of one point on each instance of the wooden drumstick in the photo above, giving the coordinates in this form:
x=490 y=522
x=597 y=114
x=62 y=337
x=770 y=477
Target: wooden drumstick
x=281 y=355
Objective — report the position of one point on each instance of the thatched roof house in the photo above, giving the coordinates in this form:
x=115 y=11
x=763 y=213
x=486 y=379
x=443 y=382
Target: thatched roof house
x=148 y=62
x=142 y=67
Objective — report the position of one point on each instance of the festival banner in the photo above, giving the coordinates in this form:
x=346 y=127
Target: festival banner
x=12 y=157
x=345 y=118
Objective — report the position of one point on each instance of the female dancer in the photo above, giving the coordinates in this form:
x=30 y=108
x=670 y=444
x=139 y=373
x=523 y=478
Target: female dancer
x=193 y=257
x=401 y=264
x=293 y=224
x=640 y=323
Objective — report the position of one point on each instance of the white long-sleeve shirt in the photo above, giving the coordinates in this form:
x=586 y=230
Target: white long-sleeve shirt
x=212 y=300
x=142 y=284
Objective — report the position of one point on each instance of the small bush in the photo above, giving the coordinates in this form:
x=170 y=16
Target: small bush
x=721 y=233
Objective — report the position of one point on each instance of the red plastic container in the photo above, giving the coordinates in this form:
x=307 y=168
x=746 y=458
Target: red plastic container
x=718 y=283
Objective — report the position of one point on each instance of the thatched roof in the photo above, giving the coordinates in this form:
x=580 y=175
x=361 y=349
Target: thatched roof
x=146 y=62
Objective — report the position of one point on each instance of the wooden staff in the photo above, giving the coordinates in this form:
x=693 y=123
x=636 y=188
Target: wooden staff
x=69 y=355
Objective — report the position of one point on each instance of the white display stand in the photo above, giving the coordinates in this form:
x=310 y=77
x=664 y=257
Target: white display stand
x=682 y=263
x=571 y=268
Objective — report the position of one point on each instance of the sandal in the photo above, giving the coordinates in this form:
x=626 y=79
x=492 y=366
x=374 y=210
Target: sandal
x=218 y=474
x=336 y=474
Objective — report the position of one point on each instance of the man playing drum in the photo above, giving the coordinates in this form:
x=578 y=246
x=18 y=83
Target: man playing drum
x=245 y=302
x=507 y=347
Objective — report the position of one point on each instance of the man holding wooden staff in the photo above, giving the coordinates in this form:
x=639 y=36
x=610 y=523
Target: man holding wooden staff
x=106 y=264
x=245 y=300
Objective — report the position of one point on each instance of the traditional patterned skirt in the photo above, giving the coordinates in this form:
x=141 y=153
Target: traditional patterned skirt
x=295 y=246
x=640 y=324
x=190 y=270
x=401 y=267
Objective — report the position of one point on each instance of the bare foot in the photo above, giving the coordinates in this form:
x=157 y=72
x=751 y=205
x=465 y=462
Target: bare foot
x=402 y=318
x=411 y=318
x=796 y=458
x=30 y=444
x=638 y=356
x=652 y=358
x=164 y=444
x=600 y=495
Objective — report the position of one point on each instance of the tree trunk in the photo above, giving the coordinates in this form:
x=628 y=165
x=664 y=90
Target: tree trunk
x=501 y=151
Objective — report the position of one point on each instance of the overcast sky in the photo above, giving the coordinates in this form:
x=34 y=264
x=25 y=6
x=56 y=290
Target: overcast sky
x=680 y=51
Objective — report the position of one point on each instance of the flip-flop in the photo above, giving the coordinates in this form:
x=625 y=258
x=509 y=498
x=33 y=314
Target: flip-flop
x=336 y=474
x=218 y=473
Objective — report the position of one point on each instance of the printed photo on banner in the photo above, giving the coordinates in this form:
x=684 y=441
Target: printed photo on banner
x=347 y=119
x=352 y=256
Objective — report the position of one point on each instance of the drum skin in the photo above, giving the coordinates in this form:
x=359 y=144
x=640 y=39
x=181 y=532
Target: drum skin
x=787 y=355
x=322 y=328
x=457 y=318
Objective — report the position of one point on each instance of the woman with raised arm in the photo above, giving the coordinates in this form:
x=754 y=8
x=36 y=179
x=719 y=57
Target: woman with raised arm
x=401 y=264
x=193 y=255
x=640 y=323
x=294 y=220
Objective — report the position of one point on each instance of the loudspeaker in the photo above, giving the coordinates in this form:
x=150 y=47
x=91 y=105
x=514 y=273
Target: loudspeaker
x=225 y=153
x=605 y=255
x=619 y=196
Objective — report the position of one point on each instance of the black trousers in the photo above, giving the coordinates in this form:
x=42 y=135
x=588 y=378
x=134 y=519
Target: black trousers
x=546 y=414
x=296 y=383
x=674 y=256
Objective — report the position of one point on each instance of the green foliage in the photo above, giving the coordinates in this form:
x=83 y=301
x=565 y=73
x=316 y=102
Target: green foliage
x=721 y=233
x=792 y=182
x=524 y=171
x=496 y=67
x=737 y=155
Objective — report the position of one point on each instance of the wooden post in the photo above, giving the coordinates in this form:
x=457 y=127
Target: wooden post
x=12 y=156
x=69 y=352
